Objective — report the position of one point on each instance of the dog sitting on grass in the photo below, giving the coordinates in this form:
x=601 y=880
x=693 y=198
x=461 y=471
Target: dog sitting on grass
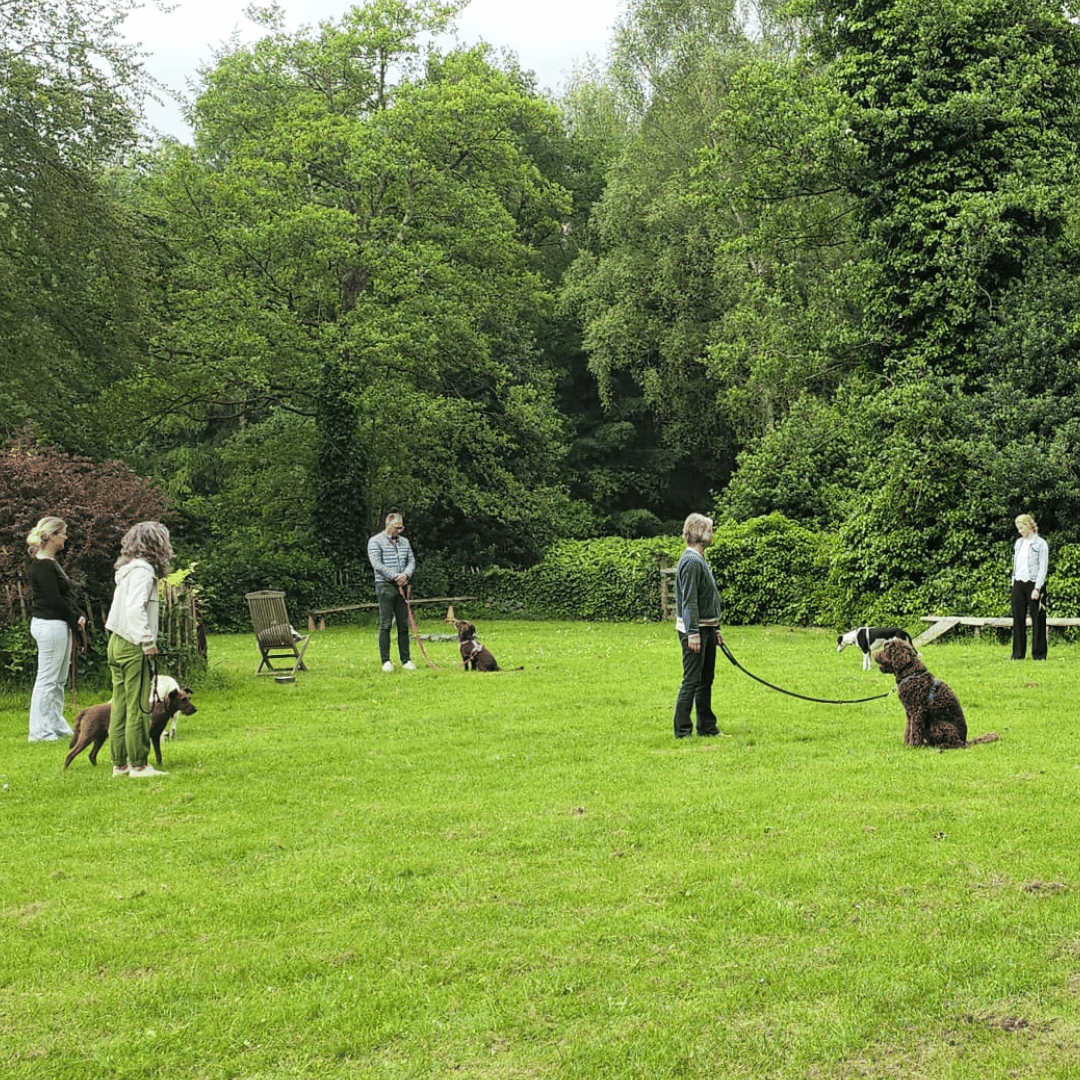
x=475 y=656
x=934 y=714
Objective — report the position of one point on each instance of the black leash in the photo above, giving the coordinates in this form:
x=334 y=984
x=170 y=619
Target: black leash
x=791 y=693
x=149 y=664
x=79 y=643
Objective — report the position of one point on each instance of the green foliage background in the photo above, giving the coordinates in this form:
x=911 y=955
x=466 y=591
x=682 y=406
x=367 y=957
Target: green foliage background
x=814 y=269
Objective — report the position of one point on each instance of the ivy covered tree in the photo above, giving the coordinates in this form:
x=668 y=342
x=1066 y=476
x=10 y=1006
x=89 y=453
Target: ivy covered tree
x=963 y=116
x=960 y=126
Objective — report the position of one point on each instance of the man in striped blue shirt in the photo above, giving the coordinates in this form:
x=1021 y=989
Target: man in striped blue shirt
x=391 y=557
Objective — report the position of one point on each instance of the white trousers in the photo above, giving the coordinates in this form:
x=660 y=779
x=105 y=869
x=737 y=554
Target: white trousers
x=53 y=637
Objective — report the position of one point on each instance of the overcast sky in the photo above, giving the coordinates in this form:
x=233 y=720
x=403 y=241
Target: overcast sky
x=549 y=37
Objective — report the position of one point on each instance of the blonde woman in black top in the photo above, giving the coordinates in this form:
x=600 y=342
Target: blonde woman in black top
x=53 y=619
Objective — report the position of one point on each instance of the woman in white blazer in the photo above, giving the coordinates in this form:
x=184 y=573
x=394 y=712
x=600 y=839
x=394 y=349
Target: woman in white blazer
x=1031 y=559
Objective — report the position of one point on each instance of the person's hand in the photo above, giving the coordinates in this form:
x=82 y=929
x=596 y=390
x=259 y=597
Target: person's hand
x=82 y=620
x=719 y=639
x=152 y=651
x=693 y=642
x=402 y=579
x=1034 y=594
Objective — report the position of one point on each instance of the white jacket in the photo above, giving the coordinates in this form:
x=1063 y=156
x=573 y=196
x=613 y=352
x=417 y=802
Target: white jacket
x=134 y=612
x=1038 y=561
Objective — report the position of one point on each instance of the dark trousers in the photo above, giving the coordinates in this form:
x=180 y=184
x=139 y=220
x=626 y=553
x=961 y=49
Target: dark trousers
x=1022 y=607
x=392 y=606
x=696 y=689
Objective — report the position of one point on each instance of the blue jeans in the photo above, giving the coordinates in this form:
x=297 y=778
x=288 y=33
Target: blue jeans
x=53 y=637
x=696 y=689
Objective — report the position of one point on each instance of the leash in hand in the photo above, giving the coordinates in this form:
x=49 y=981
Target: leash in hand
x=791 y=693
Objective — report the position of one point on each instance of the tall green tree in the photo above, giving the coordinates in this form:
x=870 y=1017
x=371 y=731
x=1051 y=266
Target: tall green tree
x=715 y=284
x=356 y=237
x=71 y=299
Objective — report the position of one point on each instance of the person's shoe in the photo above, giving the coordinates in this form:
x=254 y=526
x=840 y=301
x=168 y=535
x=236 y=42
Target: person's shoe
x=409 y=665
x=388 y=666
x=119 y=770
x=145 y=770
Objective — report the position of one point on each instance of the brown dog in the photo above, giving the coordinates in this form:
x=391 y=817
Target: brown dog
x=934 y=714
x=92 y=724
x=475 y=655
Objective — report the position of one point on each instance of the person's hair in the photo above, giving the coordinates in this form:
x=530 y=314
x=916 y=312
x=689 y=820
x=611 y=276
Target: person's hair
x=696 y=527
x=1026 y=521
x=43 y=531
x=394 y=517
x=148 y=540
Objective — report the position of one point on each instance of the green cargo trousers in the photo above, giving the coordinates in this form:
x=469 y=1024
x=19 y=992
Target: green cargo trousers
x=129 y=728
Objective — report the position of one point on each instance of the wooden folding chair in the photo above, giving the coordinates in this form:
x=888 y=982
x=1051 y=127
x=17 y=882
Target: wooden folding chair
x=276 y=636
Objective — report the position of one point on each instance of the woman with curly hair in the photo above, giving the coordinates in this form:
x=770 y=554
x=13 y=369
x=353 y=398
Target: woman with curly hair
x=145 y=552
x=53 y=618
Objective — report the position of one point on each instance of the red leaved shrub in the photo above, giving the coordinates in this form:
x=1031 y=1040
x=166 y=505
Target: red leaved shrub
x=99 y=500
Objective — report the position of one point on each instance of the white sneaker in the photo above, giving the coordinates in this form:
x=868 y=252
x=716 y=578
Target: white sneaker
x=388 y=666
x=145 y=770
x=119 y=770
x=409 y=665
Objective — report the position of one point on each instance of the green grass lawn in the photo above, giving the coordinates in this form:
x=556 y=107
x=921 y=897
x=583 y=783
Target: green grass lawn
x=441 y=874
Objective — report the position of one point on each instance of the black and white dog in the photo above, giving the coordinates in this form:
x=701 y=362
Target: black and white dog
x=868 y=638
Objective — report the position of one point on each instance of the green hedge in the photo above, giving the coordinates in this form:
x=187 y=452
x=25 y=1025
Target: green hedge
x=609 y=579
x=768 y=570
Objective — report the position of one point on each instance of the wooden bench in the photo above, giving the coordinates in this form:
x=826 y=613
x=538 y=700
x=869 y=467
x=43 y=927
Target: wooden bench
x=321 y=613
x=940 y=625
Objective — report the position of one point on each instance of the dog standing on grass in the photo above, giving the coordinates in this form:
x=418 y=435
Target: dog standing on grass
x=92 y=724
x=868 y=638
x=933 y=711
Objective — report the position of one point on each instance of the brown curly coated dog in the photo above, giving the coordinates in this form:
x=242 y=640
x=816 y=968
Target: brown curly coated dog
x=934 y=715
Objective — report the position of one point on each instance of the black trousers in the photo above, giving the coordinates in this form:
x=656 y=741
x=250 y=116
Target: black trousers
x=695 y=693
x=392 y=605
x=1022 y=607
